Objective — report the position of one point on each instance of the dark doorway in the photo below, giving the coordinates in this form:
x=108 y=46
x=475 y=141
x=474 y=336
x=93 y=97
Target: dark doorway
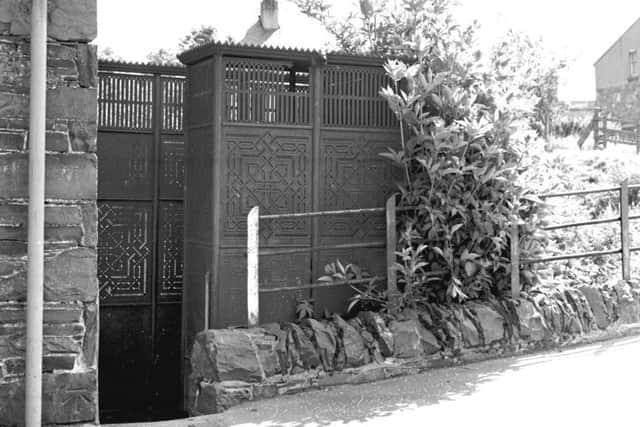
x=140 y=194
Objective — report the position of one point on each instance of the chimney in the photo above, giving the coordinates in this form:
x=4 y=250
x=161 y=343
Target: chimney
x=269 y=15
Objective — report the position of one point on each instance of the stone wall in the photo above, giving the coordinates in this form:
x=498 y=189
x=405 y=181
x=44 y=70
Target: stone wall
x=233 y=365
x=71 y=288
x=623 y=102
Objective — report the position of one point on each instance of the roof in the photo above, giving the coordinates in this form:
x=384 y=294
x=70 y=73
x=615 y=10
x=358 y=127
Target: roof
x=637 y=21
x=207 y=50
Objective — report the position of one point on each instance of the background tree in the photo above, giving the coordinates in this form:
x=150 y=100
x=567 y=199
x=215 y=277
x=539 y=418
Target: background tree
x=195 y=37
x=108 y=54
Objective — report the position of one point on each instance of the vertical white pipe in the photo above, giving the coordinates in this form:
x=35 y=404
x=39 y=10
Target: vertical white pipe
x=253 y=243
x=35 y=250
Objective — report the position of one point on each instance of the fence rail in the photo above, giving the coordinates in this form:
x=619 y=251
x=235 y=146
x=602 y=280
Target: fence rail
x=254 y=252
x=625 y=237
x=390 y=210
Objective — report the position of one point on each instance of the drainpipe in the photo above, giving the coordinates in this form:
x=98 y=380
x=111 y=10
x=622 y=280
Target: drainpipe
x=35 y=225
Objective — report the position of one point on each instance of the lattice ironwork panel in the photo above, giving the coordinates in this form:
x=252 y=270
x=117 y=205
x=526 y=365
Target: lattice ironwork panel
x=266 y=92
x=172 y=170
x=270 y=169
x=172 y=103
x=351 y=97
x=170 y=241
x=355 y=176
x=124 y=250
x=125 y=101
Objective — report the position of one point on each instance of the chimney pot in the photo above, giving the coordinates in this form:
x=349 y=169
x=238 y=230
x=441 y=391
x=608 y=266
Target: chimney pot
x=269 y=15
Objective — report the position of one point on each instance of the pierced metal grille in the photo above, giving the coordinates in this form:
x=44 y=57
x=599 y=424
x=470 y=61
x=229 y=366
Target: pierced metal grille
x=172 y=103
x=351 y=98
x=266 y=92
x=125 y=101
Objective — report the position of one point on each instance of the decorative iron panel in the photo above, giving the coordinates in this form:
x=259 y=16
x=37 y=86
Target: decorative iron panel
x=266 y=92
x=125 y=101
x=172 y=170
x=126 y=166
x=172 y=103
x=271 y=169
x=351 y=97
x=354 y=175
x=170 y=242
x=124 y=250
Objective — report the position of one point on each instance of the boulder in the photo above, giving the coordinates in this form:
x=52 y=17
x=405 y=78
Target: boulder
x=489 y=320
x=470 y=334
x=628 y=302
x=353 y=345
x=406 y=339
x=302 y=353
x=324 y=338
x=531 y=323
x=593 y=296
x=376 y=325
x=224 y=355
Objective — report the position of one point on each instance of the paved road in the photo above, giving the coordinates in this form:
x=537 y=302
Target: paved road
x=596 y=385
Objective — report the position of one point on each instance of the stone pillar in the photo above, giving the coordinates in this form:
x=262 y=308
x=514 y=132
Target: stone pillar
x=71 y=286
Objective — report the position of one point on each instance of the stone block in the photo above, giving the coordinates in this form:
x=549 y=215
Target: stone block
x=12 y=141
x=68 y=176
x=376 y=325
x=90 y=339
x=90 y=225
x=266 y=347
x=73 y=104
x=596 y=302
x=57 y=141
x=58 y=362
x=71 y=276
x=470 y=334
x=406 y=339
x=87 y=64
x=353 y=344
x=531 y=323
x=68 y=20
x=14 y=105
x=227 y=355
x=324 y=338
x=70 y=398
x=83 y=136
x=302 y=352
x=490 y=321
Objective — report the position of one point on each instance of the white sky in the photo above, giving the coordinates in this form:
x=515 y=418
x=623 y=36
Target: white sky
x=581 y=30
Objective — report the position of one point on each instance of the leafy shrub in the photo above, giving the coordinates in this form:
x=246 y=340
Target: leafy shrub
x=461 y=168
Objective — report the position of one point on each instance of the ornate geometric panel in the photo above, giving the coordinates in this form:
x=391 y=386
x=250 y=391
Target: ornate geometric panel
x=172 y=170
x=126 y=166
x=270 y=169
x=124 y=250
x=170 y=249
x=354 y=175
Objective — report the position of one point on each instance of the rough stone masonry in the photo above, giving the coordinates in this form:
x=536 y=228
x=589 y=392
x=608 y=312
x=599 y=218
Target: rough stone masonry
x=71 y=287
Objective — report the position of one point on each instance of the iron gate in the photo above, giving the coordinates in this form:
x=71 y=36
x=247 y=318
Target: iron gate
x=140 y=194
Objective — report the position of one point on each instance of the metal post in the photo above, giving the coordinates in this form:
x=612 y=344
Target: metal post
x=392 y=285
x=624 y=230
x=253 y=242
x=35 y=246
x=596 y=127
x=515 y=261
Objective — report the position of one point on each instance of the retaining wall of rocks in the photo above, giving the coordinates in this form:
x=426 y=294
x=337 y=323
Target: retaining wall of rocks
x=233 y=365
x=71 y=287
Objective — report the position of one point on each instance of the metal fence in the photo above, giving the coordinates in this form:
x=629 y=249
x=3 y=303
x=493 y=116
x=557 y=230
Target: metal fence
x=254 y=252
x=624 y=219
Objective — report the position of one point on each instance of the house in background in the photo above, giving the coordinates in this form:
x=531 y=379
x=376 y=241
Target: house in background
x=618 y=77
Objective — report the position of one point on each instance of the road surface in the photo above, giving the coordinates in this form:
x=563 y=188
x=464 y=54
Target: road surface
x=595 y=385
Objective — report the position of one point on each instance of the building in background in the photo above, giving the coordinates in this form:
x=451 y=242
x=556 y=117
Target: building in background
x=618 y=77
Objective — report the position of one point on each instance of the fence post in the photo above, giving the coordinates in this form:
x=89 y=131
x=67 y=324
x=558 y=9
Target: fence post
x=515 y=261
x=253 y=242
x=604 y=132
x=624 y=230
x=392 y=285
x=636 y=135
x=596 y=127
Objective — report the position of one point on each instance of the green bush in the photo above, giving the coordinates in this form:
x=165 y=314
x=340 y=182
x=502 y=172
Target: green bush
x=461 y=167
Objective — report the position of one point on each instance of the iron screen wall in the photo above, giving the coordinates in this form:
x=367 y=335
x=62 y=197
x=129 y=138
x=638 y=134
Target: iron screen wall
x=289 y=131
